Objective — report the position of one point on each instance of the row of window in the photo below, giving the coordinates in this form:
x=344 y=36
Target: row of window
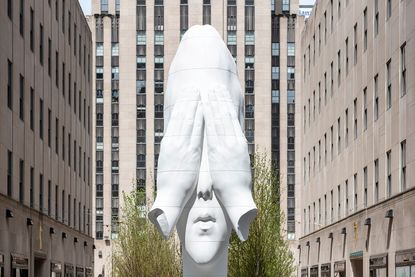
x=51 y=197
x=315 y=102
x=347 y=196
x=32 y=114
x=355 y=35
x=82 y=56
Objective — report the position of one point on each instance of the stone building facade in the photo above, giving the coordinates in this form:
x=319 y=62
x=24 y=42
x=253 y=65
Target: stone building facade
x=358 y=139
x=45 y=139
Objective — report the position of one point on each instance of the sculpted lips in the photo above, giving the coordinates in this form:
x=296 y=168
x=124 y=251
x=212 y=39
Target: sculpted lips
x=205 y=222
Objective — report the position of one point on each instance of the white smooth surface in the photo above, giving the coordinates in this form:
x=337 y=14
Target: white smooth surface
x=204 y=175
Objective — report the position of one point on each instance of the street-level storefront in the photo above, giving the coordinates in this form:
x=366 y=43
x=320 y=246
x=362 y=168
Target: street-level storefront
x=376 y=242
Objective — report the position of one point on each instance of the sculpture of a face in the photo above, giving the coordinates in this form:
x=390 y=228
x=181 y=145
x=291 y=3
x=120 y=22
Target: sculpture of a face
x=204 y=228
x=203 y=175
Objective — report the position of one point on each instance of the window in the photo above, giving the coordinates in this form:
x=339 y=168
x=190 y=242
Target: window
x=331 y=142
x=115 y=74
x=99 y=76
x=403 y=165
x=291 y=73
x=365 y=29
x=21 y=18
x=41 y=44
x=355 y=117
x=10 y=9
x=388 y=85
x=389 y=173
x=9 y=173
x=115 y=49
x=291 y=49
x=355 y=43
x=338 y=136
x=388 y=8
x=346 y=124
x=347 y=55
x=21 y=98
x=104 y=6
x=49 y=57
x=57 y=136
x=31 y=192
x=9 y=84
x=57 y=69
x=249 y=38
x=338 y=68
x=355 y=191
x=376 y=18
x=346 y=193
x=100 y=49
x=276 y=49
x=32 y=31
x=285 y=5
x=32 y=114
x=331 y=78
x=49 y=127
x=365 y=109
x=41 y=193
x=365 y=187
x=275 y=73
x=376 y=181
x=403 y=69
x=275 y=96
x=41 y=119
x=376 y=98
x=141 y=38
x=206 y=12
x=290 y=97
x=158 y=38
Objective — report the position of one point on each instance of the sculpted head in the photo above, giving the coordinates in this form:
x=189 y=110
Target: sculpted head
x=203 y=75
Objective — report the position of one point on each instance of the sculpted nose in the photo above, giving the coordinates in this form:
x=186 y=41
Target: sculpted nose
x=205 y=186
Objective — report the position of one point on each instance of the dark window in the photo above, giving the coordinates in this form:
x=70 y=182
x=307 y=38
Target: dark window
x=49 y=56
x=32 y=31
x=41 y=118
x=49 y=196
x=21 y=18
x=41 y=44
x=206 y=12
x=32 y=106
x=10 y=8
x=9 y=84
x=32 y=185
x=57 y=136
x=57 y=69
x=41 y=193
x=49 y=127
x=9 y=173
x=21 y=98
x=21 y=181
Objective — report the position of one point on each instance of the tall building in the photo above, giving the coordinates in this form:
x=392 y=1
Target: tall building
x=45 y=139
x=358 y=147
x=135 y=42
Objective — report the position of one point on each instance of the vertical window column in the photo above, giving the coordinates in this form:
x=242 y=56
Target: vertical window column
x=249 y=64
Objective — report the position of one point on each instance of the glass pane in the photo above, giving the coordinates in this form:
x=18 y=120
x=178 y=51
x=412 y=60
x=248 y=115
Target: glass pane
x=402 y=271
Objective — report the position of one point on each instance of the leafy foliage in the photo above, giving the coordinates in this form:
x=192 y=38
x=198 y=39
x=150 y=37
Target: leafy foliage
x=140 y=250
x=266 y=252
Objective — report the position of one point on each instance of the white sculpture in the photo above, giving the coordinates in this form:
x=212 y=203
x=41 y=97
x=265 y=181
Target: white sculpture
x=204 y=176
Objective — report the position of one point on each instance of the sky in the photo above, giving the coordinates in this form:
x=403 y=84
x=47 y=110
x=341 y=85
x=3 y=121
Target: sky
x=86 y=6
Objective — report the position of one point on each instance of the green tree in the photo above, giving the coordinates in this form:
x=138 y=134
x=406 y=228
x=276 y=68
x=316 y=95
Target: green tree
x=140 y=251
x=266 y=252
